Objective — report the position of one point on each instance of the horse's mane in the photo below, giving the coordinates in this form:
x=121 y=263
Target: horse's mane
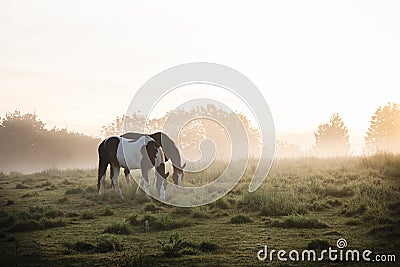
x=169 y=147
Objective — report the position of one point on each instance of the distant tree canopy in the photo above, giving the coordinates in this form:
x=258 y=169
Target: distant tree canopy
x=332 y=139
x=384 y=131
x=26 y=145
x=283 y=149
x=195 y=131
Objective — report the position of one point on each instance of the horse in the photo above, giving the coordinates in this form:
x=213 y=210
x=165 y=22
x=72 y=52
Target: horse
x=143 y=153
x=170 y=152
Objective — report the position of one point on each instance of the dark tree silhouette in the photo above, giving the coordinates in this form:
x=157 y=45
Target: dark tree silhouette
x=27 y=146
x=383 y=133
x=332 y=139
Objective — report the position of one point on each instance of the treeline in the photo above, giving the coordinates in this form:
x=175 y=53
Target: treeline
x=27 y=146
x=332 y=138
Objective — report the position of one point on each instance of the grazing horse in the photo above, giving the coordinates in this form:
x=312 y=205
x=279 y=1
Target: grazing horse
x=170 y=151
x=143 y=153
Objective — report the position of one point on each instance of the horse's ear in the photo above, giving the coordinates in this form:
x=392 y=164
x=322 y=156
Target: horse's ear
x=167 y=174
x=183 y=166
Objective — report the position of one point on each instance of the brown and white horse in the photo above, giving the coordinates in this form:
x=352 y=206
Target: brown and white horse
x=171 y=152
x=143 y=153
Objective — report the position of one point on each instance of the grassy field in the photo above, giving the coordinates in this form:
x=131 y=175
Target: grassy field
x=56 y=218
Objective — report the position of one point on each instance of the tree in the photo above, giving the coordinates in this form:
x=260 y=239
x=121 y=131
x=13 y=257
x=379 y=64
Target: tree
x=332 y=139
x=383 y=133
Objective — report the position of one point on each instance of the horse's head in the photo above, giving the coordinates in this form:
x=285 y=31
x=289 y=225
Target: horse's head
x=178 y=174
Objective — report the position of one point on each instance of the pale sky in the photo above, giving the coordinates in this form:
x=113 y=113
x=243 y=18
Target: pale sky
x=79 y=63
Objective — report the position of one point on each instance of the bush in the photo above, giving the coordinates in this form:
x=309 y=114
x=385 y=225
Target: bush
x=200 y=214
x=270 y=202
x=133 y=220
x=150 y=207
x=172 y=248
x=10 y=202
x=118 y=229
x=183 y=211
x=21 y=186
x=221 y=204
x=6 y=220
x=32 y=225
x=108 y=212
x=88 y=215
x=105 y=245
x=208 y=246
x=81 y=246
x=239 y=219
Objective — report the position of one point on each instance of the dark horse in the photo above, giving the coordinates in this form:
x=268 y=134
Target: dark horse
x=143 y=153
x=170 y=152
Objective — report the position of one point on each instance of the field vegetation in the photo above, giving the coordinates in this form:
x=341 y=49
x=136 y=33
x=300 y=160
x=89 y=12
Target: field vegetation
x=56 y=217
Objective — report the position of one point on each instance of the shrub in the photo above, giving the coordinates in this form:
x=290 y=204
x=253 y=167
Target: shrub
x=21 y=186
x=208 y=246
x=221 y=204
x=72 y=214
x=270 y=202
x=105 y=245
x=133 y=220
x=88 y=215
x=118 y=229
x=200 y=214
x=32 y=225
x=82 y=246
x=108 y=211
x=6 y=220
x=10 y=202
x=150 y=207
x=172 y=248
x=183 y=211
x=239 y=219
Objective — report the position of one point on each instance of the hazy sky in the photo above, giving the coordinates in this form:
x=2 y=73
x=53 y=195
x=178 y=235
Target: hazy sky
x=78 y=63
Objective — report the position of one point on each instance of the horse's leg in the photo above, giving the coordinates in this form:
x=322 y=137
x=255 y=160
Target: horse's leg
x=115 y=181
x=127 y=173
x=101 y=176
x=111 y=176
x=161 y=186
x=146 y=181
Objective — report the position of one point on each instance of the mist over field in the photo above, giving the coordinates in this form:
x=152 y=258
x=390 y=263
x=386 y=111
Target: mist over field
x=27 y=145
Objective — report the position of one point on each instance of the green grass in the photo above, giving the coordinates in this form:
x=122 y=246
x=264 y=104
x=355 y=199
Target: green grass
x=57 y=216
x=300 y=221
